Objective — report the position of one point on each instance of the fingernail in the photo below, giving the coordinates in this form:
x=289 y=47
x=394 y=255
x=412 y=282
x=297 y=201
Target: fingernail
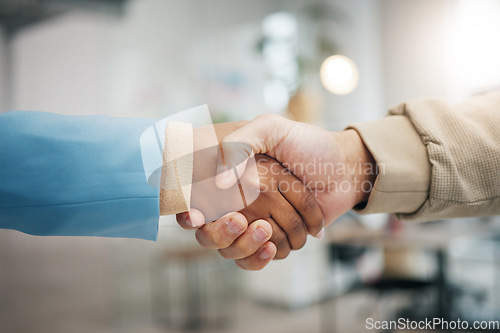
x=234 y=227
x=260 y=234
x=265 y=253
x=321 y=234
x=192 y=223
x=188 y=220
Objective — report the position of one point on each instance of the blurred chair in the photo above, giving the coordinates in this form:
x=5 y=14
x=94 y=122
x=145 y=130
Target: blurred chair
x=193 y=290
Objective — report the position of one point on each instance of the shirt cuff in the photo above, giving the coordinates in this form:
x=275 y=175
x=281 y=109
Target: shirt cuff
x=404 y=171
x=177 y=169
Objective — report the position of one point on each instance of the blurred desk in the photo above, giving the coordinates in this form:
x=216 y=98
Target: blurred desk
x=434 y=237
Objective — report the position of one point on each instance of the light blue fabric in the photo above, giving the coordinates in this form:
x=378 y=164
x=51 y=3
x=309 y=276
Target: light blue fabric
x=75 y=175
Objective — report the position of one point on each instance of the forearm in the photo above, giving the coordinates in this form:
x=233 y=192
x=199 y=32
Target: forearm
x=436 y=160
x=68 y=175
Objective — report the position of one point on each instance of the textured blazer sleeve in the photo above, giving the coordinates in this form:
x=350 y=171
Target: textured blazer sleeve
x=71 y=175
x=436 y=160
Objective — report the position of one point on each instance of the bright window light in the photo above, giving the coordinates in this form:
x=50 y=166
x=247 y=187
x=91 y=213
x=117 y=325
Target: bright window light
x=475 y=46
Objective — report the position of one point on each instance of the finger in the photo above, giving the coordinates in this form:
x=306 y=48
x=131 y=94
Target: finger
x=291 y=223
x=259 y=259
x=303 y=201
x=257 y=233
x=260 y=136
x=280 y=239
x=223 y=232
x=193 y=219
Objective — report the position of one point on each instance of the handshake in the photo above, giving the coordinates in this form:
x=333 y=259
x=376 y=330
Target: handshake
x=293 y=178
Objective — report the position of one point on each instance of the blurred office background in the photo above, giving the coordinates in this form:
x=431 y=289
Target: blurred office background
x=153 y=58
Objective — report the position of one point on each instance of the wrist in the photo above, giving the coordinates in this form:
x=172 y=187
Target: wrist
x=361 y=165
x=177 y=169
x=206 y=148
x=205 y=153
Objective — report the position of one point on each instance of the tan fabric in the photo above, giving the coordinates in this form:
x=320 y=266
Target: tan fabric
x=440 y=161
x=177 y=170
x=404 y=171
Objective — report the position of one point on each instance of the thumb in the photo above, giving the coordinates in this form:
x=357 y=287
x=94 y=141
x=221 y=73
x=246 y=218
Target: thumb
x=232 y=162
x=238 y=147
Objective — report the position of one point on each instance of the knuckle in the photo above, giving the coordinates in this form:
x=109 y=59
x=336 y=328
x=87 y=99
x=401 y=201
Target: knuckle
x=241 y=251
x=223 y=242
x=280 y=240
x=237 y=250
x=282 y=254
x=308 y=202
x=296 y=224
x=296 y=231
x=302 y=241
x=210 y=240
x=282 y=245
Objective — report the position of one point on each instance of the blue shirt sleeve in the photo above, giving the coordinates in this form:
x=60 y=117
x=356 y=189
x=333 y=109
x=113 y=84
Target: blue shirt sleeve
x=75 y=175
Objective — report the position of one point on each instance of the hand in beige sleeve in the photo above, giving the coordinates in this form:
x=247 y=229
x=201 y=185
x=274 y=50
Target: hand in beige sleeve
x=433 y=160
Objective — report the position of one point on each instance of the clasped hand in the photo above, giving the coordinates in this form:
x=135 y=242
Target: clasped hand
x=309 y=178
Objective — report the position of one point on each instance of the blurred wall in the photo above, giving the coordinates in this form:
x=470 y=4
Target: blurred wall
x=164 y=56
x=439 y=48
x=4 y=72
x=359 y=38
x=58 y=66
x=414 y=46
x=156 y=59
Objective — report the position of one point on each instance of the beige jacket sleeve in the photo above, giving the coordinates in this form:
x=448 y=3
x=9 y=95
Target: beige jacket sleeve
x=436 y=160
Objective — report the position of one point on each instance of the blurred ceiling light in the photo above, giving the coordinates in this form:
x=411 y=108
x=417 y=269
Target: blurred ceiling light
x=339 y=75
x=280 y=25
